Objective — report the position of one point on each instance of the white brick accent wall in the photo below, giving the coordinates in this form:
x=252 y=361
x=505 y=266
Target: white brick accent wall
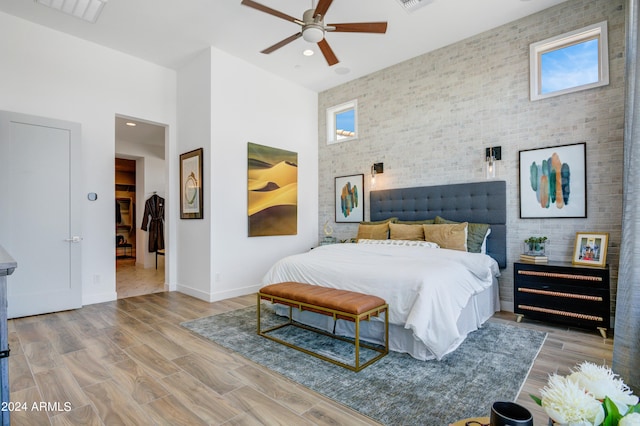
x=429 y=120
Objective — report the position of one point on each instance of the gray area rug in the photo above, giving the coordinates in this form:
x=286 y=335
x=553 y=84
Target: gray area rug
x=490 y=365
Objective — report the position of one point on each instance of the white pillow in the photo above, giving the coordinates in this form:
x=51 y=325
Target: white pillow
x=411 y=243
x=483 y=248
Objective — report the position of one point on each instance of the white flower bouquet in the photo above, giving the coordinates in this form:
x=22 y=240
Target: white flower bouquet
x=592 y=395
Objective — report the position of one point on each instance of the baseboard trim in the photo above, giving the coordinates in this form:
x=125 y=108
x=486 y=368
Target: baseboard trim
x=222 y=295
x=216 y=296
x=92 y=299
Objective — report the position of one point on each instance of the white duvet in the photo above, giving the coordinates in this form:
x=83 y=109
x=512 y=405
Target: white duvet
x=426 y=288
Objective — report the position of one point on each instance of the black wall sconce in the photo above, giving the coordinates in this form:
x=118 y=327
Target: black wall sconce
x=492 y=154
x=376 y=168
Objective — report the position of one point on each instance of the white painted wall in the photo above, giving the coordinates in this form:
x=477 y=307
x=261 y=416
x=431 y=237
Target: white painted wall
x=50 y=74
x=245 y=105
x=223 y=103
x=250 y=105
x=194 y=235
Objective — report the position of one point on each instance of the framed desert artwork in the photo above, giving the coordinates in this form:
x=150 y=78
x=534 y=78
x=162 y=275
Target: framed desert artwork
x=272 y=187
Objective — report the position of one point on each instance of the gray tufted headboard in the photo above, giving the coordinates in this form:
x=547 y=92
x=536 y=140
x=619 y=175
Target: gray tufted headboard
x=480 y=202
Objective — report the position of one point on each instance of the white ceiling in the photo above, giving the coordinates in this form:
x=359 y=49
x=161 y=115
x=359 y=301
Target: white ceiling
x=171 y=32
x=143 y=132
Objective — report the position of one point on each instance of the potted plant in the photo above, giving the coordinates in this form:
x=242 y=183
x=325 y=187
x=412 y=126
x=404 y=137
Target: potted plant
x=535 y=245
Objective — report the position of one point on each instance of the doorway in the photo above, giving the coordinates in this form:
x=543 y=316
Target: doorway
x=139 y=174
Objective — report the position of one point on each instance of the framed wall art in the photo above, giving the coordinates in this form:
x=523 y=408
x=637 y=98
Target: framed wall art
x=590 y=249
x=272 y=187
x=349 y=198
x=553 y=182
x=191 y=184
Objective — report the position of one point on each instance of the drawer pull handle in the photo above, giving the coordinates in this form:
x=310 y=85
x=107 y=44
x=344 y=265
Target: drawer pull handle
x=560 y=294
x=562 y=313
x=559 y=275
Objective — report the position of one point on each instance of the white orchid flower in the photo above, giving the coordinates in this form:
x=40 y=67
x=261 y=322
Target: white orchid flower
x=632 y=419
x=569 y=404
x=602 y=382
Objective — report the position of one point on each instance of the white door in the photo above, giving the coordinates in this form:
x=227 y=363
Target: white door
x=39 y=212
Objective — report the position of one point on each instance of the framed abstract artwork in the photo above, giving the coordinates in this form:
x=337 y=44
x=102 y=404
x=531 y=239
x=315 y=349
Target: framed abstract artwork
x=590 y=249
x=191 y=184
x=553 y=182
x=349 y=198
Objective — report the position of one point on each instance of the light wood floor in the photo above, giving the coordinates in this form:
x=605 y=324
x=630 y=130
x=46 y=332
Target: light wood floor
x=129 y=362
x=133 y=279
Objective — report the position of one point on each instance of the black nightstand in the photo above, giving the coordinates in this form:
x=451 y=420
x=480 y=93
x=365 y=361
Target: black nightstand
x=564 y=293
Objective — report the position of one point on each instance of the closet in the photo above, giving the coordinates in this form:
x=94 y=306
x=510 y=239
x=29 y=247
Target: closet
x=125 y=208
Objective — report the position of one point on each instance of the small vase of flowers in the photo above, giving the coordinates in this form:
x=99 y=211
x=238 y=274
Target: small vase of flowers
x=591 y=395
x=535 y=246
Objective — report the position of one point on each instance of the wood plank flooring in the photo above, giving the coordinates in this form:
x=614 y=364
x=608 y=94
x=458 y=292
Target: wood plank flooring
x=129 y=362
x=132 y=279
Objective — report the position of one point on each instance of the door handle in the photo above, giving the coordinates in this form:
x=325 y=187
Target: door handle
x=74 y=239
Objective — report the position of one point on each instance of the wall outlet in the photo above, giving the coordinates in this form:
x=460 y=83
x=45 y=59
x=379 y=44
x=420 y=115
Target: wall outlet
x=96 y=279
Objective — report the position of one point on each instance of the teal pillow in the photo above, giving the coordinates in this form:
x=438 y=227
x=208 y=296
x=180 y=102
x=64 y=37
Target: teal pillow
x=476 y=233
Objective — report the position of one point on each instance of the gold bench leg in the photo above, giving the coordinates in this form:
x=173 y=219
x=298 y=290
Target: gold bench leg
x=357 y=343
x=356 y=319
x=258 y=313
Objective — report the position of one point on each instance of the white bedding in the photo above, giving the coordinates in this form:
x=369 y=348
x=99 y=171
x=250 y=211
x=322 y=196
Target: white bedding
x=426 y=288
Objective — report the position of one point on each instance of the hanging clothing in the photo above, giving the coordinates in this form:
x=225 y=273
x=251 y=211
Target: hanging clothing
x=153 y=221
x=118 y=213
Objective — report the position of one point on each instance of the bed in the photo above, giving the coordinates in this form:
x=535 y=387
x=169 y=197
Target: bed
x=436 y=295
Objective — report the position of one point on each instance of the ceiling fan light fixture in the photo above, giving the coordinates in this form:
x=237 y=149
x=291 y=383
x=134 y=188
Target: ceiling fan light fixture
x=313 y=34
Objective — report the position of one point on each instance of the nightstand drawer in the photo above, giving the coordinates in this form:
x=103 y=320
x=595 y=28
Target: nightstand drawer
x=555 y=275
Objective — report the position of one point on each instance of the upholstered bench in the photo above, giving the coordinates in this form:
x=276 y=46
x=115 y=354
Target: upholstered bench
x=339 y=304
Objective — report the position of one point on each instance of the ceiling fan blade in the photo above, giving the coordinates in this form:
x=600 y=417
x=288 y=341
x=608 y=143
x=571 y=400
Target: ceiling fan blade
x=322 y=7
x=279 y=44
x=270 y=11
x=360 y=27
x=327 y=52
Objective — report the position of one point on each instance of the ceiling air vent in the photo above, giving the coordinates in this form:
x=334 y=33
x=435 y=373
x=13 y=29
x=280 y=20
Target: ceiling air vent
x=412 y=5
x=88 y=10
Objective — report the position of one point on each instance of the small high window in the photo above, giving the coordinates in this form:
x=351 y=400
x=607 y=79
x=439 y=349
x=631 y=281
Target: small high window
x=569 y=62
x=342 y=122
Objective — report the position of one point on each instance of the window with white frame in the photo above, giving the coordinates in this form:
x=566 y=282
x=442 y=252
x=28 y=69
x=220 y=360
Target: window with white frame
x=570 y=62
x=342 y=122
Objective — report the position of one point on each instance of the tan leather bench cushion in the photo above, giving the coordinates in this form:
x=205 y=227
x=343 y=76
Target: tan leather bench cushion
x=340 y=300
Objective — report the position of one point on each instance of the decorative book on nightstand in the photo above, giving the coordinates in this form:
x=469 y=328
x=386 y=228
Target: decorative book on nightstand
x=562 y=292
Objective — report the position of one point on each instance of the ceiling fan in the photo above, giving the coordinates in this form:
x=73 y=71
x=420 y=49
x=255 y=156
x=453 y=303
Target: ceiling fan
x=313 y=27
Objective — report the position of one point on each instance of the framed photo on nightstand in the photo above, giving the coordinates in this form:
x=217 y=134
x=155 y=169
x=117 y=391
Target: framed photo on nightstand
x=590 y=249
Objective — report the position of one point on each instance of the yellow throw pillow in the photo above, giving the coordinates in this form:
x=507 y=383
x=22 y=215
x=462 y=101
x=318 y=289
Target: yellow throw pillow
x=406 y=232
x=373 y=232
x=449 y=236
x=476 y=234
